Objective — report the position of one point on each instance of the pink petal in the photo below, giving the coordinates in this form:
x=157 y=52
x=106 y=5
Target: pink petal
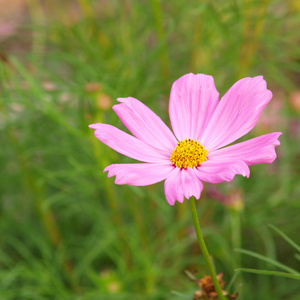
x=224 y=164
x=145 y=124
x=182 y=183
x=218 y=171
x=128 y=145
x=237 y=112
x=254 y=151
x=139 y=174
x=193 y=100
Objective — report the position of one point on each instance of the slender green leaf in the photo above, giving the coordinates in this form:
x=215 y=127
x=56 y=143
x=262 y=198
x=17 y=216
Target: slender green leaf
x=269 y=260
x=232 y=280
x=284 y=236
x=297 y=256
x=181 y=295
x=266 y=272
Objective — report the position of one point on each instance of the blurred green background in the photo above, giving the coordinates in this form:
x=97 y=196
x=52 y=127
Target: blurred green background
x=66 y=231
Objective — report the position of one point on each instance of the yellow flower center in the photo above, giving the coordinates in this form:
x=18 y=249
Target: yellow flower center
x=188 y=153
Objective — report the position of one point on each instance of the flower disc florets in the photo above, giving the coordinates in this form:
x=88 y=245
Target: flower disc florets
x=188 y=153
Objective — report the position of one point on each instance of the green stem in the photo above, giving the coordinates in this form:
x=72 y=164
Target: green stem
x=236 y=233
x=235 y=218
x=204 y=250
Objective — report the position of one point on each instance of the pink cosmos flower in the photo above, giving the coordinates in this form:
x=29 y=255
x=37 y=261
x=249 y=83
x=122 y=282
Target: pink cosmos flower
x=202 y=126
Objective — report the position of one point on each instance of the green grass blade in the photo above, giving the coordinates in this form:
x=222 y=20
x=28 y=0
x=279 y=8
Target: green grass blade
x=297 y=256
x=266 y=272
x=181 y=295
x=284 y=236
x=269 y=260
x=231 y=282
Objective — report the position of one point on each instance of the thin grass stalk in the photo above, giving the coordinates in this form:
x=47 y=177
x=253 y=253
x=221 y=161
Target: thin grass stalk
x=86 y=8
x=38 y=36
x=196 y=42
x=125 y=28
x=251 y=37
x=236 y=238
x=158 y=22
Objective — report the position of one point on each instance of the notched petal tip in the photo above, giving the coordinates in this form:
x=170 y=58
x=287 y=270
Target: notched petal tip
x=170 y=202
x=216 y=171
x=112 y=171
x=123 y=100
x=277 y=135
x=94 y=126
x=139 y=174
x=117 y=108
x=107 y=169
x=127 y=144
x=182 y=184
x=258 y=77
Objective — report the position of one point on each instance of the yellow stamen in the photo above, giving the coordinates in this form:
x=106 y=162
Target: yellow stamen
x=188 y=153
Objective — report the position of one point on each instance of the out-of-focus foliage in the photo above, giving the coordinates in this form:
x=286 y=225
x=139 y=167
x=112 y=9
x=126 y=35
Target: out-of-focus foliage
x=66 y=231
